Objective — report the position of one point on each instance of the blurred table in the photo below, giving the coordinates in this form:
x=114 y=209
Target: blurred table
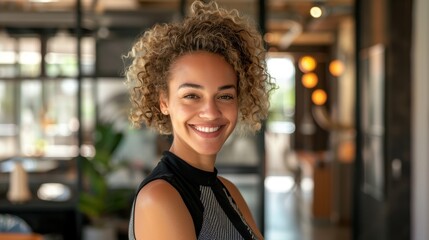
x=20 y=236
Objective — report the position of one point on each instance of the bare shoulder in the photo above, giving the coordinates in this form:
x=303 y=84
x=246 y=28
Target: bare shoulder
x=155 y=192
x=235 y=194
x=228 y=184
x=232 y=189
x=160 y=213
x=241 y=204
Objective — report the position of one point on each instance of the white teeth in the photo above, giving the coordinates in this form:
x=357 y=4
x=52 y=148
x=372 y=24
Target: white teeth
x=206 y=129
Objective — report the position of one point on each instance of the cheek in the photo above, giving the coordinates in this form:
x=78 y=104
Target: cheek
x=233 y=114
x=180 y=111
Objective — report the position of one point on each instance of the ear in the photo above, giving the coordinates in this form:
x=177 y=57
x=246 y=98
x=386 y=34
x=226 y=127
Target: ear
x=163 y=103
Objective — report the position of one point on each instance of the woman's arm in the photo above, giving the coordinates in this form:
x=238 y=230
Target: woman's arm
x=160 y=213
x=242 y=205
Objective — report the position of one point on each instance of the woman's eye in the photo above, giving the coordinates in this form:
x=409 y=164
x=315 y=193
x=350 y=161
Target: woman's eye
x=190 y=96
x=226 y=97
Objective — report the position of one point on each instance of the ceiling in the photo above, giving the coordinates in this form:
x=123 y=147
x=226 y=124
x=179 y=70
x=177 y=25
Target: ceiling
x=288 y=21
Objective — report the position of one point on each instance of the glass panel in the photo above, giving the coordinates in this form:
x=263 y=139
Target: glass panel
x=280 y=123
x=282 y=108
x=61 y=55
x=7 y=106
x=31 y=139
x=8 y=128
x=49 y=118
x=7 y=56
x=29 y=57
x=88 y=56
x=88 y=112
x=59 y=118
x=113 y=101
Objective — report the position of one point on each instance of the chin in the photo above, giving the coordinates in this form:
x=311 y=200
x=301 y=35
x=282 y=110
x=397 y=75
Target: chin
x=209 y=150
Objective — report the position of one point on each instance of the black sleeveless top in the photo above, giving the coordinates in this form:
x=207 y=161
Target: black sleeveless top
x=214 y=212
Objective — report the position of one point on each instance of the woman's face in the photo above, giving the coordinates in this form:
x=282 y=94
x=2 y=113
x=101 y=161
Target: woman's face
x=202 y=103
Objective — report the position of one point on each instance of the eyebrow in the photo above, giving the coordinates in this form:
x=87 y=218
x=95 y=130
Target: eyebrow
x=196 y=86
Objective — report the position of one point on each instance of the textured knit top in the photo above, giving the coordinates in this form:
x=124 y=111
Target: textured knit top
x=214 y=212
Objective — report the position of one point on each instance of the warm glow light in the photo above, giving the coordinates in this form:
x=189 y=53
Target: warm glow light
x=268 y=37
x=336 y=68
x=309 y=80
x=316 y=12
x=319 y=97
x=307 y=64
x=346 y=151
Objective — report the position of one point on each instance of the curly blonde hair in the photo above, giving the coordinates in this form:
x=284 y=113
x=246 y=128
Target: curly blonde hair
x=208 y=28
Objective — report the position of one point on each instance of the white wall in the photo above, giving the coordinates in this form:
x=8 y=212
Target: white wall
x=420 y=122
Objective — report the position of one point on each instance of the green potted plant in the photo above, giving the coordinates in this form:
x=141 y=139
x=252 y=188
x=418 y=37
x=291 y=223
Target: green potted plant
x=98 y=202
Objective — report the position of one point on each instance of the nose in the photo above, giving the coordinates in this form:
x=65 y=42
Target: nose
x=210 y=110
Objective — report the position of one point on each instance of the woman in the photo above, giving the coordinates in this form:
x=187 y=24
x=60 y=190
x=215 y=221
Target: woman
x=195 y=80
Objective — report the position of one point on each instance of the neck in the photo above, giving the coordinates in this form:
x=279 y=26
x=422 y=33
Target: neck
x=203 y=162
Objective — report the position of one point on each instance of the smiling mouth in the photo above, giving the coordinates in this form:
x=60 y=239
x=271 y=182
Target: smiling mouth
x=206 y=129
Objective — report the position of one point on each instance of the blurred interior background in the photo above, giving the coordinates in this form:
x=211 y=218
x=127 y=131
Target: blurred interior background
x=343 y=154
